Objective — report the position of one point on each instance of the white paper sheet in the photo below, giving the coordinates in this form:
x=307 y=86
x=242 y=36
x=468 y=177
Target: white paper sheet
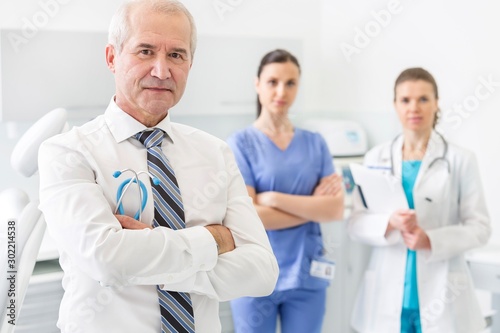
x=382 y=193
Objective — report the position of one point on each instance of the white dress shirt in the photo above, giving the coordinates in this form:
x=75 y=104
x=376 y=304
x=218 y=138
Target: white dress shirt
x=111 y=273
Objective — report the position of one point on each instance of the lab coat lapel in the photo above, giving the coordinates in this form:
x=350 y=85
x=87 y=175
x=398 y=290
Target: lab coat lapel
x=435 y=149
x=397 y=152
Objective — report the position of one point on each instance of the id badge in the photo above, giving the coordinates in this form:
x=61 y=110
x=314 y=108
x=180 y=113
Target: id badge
x=323 y=269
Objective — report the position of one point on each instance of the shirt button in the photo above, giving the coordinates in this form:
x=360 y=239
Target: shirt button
x=202 y=266
x=170 y=278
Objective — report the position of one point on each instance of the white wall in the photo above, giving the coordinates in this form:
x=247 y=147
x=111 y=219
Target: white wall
x=296 y=19
x=457 y=41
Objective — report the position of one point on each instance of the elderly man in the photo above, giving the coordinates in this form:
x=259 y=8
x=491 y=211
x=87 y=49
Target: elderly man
x=152 y=218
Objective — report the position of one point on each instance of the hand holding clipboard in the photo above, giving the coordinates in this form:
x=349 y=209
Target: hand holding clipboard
x=381 y=193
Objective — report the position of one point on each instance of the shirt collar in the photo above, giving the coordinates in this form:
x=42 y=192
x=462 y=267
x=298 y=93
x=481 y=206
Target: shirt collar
x=122 y=125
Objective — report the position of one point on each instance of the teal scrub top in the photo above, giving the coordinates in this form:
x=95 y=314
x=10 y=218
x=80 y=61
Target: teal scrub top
x=410 y=296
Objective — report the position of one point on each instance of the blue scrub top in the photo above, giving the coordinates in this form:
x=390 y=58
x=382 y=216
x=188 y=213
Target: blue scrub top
x=295 y=170
x=410 y=297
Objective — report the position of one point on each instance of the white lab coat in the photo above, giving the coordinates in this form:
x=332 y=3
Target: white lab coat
x=451 y=208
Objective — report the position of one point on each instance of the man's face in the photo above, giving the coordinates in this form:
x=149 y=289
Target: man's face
x=152 y=69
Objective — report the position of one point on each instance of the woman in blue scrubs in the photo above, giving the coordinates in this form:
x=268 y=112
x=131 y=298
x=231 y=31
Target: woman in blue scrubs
x=289 y=175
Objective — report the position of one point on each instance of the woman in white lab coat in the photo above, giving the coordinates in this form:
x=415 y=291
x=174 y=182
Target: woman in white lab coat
x=417 y=279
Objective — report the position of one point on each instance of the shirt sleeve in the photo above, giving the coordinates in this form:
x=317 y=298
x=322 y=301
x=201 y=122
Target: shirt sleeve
x=81 y=220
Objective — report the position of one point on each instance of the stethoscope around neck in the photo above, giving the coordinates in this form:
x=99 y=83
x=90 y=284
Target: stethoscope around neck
x=441 y=158
x=125 y=185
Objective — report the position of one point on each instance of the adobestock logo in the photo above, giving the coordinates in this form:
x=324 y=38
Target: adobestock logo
x=30 y=27
x=449 y=294
x=219 y=182
x=373 y=28
x=460 y=111
x=223 y=6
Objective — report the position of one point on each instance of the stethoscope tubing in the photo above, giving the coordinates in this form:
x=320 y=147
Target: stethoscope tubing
x=443 y=157
x=120 y=193
x=124 y=187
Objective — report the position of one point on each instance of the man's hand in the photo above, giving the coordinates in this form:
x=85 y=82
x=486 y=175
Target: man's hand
x=222 y=236
x=130 y=223
x=329 y=185
x=417 y=239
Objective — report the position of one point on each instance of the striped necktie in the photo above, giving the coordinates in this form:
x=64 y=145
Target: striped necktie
x=175 y=307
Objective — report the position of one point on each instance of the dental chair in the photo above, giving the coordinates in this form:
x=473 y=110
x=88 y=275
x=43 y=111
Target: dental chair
x=29 y=223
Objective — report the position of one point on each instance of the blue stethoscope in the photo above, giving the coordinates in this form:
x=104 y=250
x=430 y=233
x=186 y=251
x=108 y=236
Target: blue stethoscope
x=441 y=158
x=125 y=185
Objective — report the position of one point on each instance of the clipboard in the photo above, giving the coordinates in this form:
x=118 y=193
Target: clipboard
x=380 y=193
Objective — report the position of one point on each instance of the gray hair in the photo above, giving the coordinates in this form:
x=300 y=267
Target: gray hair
x=119 y=26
